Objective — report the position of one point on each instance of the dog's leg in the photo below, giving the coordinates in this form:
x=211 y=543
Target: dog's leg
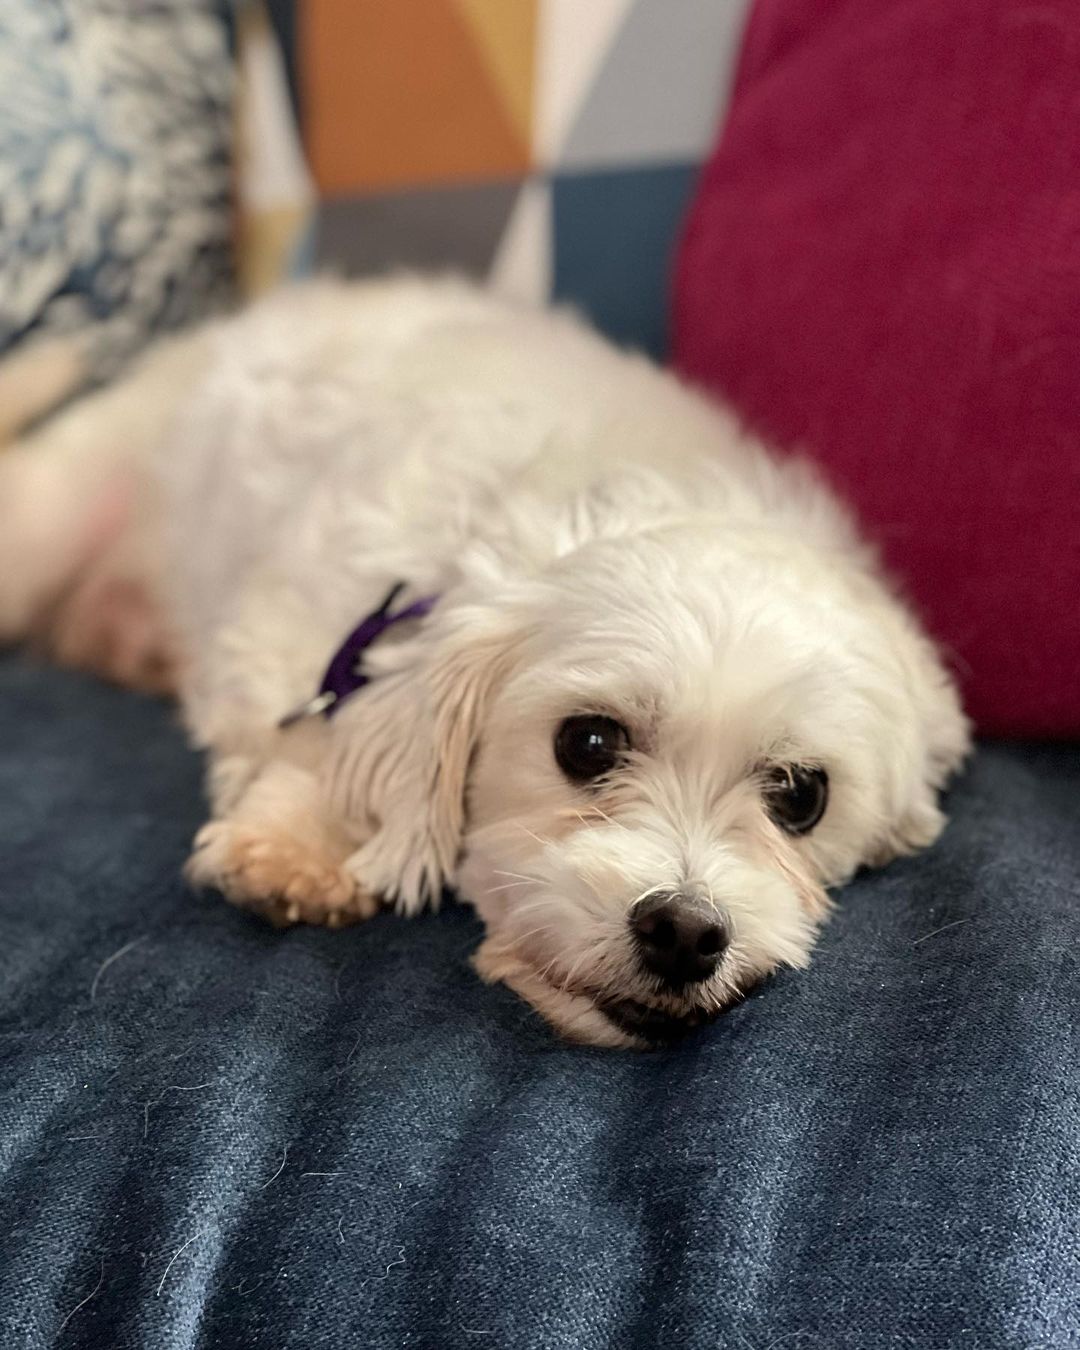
x=277 y=851
x=109 y=622
x=62 y=506
x=80 y=550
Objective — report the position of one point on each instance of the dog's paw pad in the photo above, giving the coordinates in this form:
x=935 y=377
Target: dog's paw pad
x=276 y=876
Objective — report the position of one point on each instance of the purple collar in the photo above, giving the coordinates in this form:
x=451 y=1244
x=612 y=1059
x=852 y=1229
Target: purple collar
x=345 y=673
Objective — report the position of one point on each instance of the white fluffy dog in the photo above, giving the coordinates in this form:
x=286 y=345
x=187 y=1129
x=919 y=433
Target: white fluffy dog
x=661 y=699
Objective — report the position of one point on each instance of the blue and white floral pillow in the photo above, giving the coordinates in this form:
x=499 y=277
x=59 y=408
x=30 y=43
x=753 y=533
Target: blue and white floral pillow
x=115 y=128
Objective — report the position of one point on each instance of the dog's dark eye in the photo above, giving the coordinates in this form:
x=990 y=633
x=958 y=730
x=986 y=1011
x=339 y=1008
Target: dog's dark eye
x=796 y=797
x=589 y=746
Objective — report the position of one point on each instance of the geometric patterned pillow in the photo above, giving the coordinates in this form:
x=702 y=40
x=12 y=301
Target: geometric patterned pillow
x=115 y=130
x=548 y=146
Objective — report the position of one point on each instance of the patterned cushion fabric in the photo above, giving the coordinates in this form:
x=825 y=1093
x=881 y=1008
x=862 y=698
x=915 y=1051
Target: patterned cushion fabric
x=550 y=145
x=883 y=263
x=114 y=169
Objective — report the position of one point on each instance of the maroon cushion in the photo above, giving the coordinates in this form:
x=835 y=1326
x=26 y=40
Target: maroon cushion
x=883 y=266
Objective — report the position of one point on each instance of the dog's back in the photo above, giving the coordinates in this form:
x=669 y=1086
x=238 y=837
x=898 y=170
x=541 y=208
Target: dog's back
x=396 y=417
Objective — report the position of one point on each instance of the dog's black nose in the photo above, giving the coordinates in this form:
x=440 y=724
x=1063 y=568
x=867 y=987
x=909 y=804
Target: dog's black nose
x=680 y=938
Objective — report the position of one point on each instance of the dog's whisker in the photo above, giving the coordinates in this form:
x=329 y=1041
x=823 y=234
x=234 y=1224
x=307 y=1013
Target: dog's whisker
x=568 y=979
x=524 y=903
x=523 y=937
x=592 y=811
x=509 y=886
x=542 y=973
x=653 y=890
x=498 y=872
x=540 y=839
x=604 y=816
x=564 y=978
x=528 y=906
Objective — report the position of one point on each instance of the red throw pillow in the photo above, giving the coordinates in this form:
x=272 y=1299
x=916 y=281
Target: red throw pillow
x=882 y=266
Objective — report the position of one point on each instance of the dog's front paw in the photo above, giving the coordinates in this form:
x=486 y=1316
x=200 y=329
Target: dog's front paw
x=275 y=875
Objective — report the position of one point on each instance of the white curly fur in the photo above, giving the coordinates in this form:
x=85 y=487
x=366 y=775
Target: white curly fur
x=602 y=540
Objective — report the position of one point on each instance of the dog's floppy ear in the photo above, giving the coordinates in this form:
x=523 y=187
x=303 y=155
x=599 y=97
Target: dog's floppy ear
x=940 y=741
x=403 y=747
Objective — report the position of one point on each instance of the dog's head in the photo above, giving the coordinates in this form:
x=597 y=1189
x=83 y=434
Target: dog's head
x=644 y=762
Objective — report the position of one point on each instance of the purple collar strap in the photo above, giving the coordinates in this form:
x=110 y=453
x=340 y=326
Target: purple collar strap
x=345 y=673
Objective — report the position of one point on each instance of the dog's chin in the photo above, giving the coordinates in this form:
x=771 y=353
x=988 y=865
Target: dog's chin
x=602 y=1017
x=652 y=1025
